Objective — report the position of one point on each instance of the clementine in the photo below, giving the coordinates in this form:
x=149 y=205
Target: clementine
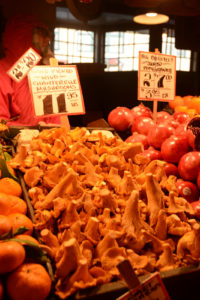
x=187 y=100
x=12 y=204
x=196 y=104
x=19 y=220
x=30 y=281
x=178 y=100
x=1 y=290
x=12 y=255
x=5 y=224
x=191 y=112
x=180 y=108
x=10 y=186
x=26 y=237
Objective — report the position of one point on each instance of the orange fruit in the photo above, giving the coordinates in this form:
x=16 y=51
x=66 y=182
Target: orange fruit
x=187 y=100
x=19 y=220
x=12 y=204
x=191 y=112
x=5 y=224
x=10 y=186
x=196 y=103
x=178 y=100
x=30 y=281
x=1 y=290
x=12 y=255
x=26 y=237
x=180 y=108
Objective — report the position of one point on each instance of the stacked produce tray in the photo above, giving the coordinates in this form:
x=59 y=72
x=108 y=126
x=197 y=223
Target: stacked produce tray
x=181 y=283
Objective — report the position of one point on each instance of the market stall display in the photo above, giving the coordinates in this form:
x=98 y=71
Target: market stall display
x=98 y=200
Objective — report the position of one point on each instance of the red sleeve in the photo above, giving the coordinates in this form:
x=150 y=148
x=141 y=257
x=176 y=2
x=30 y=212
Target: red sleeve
x=8 y=107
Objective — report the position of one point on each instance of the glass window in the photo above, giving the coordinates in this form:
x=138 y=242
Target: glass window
x=122 y=49
x=73 y=46
x=183 y=57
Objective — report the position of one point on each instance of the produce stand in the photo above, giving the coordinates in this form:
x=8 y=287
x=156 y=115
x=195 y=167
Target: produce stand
x=181 y=283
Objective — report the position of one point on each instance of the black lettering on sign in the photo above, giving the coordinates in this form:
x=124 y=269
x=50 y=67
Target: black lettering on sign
x=17 y=73
x=71 y=95
x=73 y=104
x=147 y=79
x=160 y=82
x=168 y=77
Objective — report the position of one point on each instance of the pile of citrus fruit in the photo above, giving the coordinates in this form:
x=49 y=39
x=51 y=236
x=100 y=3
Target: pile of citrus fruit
x=21 y=277
x=188 y=104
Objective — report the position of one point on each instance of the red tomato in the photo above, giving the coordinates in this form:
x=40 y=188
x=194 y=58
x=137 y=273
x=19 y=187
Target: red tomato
x=162 y=116
x=158 y=134
x=189 y=165
x=142 y=125
x=188 y=190
x=196 y=206
x=181 y=130
x=141 y=110
x=138 y=138
x=170 y=122
x=120 y=118
x=152 y=153
x=198 y=180
x=181 y=117
x=171 y=169
x=191 y=138
x=173 y=148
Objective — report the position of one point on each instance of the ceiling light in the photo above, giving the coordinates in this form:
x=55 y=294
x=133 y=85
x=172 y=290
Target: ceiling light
x=151 y=18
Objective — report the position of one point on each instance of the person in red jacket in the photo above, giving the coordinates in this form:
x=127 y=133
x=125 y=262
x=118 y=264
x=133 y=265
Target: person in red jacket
x=22 y=32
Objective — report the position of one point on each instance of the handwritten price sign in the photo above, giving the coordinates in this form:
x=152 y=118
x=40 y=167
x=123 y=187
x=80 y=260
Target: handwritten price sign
x=26 y=62
x=151 y=289
x=156 y=76
x=56 y=90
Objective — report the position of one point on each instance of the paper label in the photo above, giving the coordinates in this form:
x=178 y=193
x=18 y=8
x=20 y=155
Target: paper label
x=24 y=64
x=152 y=288
x=56 y=90
x=156 y=76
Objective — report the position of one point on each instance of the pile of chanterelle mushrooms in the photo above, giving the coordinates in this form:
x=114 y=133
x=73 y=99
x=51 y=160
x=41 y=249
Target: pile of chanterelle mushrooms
x=99 y=201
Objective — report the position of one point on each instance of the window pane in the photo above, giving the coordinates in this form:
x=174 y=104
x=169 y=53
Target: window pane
x=178 y=62
x=185 y=64
x=122 y=49
x=141 y=38
x=112 y=51
x=168 y=47
x=128 y=37
x=75 y=45
x=126 y=64
x=61 y=48
x=136 y=62
x=112 y=38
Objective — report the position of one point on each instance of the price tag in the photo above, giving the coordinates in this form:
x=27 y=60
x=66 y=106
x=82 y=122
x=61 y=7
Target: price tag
x=152 y=288
x=156 y=76
x=56 y=90
x=24 y=64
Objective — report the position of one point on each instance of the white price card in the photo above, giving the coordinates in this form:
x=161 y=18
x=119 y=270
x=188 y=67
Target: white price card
x=24 y=64
x=56 y=90
x=156 y=76
x=151 y=289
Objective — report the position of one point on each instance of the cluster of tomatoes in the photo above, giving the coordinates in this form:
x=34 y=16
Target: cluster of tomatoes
x=165 y=137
